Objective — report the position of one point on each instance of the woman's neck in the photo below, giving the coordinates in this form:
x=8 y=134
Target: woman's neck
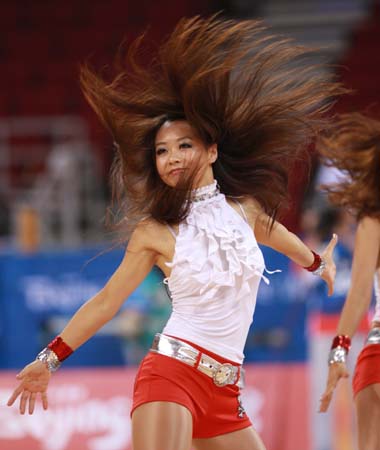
x=205 y=192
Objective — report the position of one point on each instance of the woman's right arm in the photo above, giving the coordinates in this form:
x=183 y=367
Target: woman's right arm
x=137 y=262
x=365 y=260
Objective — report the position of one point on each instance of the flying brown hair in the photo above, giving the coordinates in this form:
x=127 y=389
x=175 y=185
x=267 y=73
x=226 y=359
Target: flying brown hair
x=260 y=97
x=352 y=145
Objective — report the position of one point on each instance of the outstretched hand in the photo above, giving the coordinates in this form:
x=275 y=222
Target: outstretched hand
x=336 y=372
x=34 y=379
x=328 y=275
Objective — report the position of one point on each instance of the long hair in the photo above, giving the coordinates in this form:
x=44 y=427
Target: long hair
x=258 y=96
x=352 y=145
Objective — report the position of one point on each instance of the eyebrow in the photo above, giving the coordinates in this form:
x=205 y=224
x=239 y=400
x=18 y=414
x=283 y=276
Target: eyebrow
x=179 y=139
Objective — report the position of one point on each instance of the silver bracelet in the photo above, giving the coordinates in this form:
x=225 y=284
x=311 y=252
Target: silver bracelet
x=373 y=336
x=319 y=270
x=337 y=355
x=49 y=358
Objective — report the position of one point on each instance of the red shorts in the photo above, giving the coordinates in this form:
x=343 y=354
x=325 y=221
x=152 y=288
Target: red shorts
x=367 y=370
x=215 y=410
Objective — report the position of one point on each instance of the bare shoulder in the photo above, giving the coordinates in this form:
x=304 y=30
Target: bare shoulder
x=251 y=207
x=367 y=242
x=367 y=247
x=369 y=227
x=252 y=210
x=146 y=234
x=251 y=203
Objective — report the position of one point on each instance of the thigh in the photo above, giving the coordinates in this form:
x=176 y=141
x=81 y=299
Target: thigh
x=367 y=403
x=246 y=439
x=376 y=390
x=161 y=425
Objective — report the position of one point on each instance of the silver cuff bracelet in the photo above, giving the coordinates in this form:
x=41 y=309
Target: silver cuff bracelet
x=319 y=271
x=337 y=355
x=49 y=358
x=373 y=336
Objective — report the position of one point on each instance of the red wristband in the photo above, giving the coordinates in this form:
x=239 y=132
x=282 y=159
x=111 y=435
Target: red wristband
x=341 y=341
x=61 y=349
x=315 y=264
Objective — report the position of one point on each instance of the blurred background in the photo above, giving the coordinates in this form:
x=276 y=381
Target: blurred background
x=55 y=250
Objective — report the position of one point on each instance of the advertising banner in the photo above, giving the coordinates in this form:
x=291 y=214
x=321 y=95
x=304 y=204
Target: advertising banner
x=89 y=409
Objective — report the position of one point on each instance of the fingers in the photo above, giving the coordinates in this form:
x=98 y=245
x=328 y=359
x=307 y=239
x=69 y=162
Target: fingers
x=336 y=371
x=331 y=245
x=27 y=398
x=21 y=375
x=44 y=400
x=327 y=396
x=330 y=285
x=23 y=400
x=14 y=396
x=325 y=401
x=32 y=402
x=330 y=278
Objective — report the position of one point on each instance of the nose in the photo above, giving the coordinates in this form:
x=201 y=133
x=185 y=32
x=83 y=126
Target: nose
x=174 y=156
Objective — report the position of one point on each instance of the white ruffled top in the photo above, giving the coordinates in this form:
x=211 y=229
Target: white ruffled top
x=376 y=317
x=216 y=271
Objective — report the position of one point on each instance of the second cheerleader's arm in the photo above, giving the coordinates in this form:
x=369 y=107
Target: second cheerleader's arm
x=364 y=264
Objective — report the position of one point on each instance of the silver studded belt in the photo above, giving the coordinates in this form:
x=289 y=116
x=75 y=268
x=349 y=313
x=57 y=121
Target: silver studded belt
x=373 y=336
x=222 y=374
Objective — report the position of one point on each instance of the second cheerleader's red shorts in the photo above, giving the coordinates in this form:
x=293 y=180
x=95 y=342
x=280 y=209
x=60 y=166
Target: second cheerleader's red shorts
x=367 y=370
x=215 y=410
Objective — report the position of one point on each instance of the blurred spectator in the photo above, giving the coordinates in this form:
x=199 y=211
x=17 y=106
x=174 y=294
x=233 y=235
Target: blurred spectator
x=69 y=195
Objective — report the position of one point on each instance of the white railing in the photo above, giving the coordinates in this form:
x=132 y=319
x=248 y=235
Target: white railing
x=50 y=178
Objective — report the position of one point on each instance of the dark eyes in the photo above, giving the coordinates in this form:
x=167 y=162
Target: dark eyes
x=162 y=150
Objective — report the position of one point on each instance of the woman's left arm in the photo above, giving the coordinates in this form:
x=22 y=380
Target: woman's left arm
x=282 y=240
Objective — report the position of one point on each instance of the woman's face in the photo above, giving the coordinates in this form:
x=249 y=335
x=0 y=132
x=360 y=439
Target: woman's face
x=179 y=151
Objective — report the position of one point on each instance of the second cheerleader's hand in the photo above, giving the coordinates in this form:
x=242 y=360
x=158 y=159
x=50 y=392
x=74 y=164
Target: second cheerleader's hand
x=336 y=372
x=34 y=379
x=328 y=275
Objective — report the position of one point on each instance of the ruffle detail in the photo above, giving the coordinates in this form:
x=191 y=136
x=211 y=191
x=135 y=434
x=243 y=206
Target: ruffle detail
x=215 y=249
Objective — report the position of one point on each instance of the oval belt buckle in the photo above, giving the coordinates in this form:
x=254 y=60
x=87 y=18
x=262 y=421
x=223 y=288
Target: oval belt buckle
x=224 y=375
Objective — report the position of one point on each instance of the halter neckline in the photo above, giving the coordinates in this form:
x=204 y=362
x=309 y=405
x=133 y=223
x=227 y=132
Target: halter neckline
x=205 y=192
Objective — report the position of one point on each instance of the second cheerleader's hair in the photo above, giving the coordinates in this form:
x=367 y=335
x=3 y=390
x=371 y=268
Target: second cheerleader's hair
x=261 y=98
x=352 y=145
